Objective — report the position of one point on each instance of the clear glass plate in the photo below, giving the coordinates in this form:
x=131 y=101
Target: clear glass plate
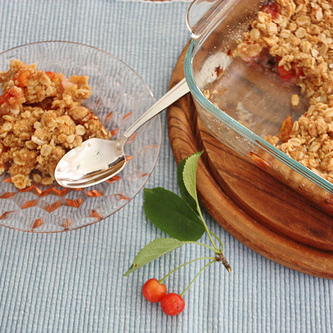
x=119 y=96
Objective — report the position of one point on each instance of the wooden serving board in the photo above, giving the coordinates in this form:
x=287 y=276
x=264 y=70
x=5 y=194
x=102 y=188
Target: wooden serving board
x=261 y=212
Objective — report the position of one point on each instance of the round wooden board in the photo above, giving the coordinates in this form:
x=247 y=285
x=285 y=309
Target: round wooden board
x=254 y=207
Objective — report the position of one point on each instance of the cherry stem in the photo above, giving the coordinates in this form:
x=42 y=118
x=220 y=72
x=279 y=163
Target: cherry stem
x=201 y=270
x=189 y=262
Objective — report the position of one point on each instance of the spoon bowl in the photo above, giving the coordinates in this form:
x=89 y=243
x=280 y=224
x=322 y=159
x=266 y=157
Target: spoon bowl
x=90 y=163
x=97 y=160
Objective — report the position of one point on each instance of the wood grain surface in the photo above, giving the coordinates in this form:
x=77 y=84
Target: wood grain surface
x=261 y=212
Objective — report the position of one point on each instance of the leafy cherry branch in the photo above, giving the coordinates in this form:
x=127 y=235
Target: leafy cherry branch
x=181 y=218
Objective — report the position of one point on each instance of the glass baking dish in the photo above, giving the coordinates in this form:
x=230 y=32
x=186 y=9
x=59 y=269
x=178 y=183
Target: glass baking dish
x=245 y=103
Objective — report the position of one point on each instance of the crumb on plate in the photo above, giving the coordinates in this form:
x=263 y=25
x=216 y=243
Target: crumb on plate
x=41 y=118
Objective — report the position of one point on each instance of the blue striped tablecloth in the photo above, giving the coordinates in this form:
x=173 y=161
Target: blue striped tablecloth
x=73 y=282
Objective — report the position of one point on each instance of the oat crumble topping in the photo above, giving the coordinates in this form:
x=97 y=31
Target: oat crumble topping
x=299 y=34
x=41 y=118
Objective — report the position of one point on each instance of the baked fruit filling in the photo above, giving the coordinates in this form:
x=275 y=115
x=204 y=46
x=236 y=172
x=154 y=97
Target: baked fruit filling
x=296 y=37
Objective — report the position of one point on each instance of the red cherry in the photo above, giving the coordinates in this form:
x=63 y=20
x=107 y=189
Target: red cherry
x=284 y=73
x=271 y=8
x=153 y=291
x=172 y=304
x=289 y=74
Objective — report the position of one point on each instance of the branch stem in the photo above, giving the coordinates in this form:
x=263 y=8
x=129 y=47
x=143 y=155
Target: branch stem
x=224 y=261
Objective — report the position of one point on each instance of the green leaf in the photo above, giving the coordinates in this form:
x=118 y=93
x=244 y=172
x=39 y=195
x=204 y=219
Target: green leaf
x=183 y=191
x=172 y=214
x=155 y=249
x=189 y=175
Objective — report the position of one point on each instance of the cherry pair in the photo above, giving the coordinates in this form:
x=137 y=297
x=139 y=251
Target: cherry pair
x=154 y=291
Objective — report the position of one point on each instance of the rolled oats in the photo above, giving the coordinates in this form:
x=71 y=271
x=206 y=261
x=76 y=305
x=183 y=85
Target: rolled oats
x=41 y=118
x=299 y=34
x=295 y=100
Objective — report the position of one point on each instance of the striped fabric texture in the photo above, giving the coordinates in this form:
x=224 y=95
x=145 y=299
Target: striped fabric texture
x=73 y=282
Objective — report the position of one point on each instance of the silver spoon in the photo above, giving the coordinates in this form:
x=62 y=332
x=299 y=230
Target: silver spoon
x=97 y=160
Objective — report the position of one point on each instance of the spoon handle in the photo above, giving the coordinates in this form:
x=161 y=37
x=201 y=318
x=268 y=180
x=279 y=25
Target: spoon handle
x=178 y=91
